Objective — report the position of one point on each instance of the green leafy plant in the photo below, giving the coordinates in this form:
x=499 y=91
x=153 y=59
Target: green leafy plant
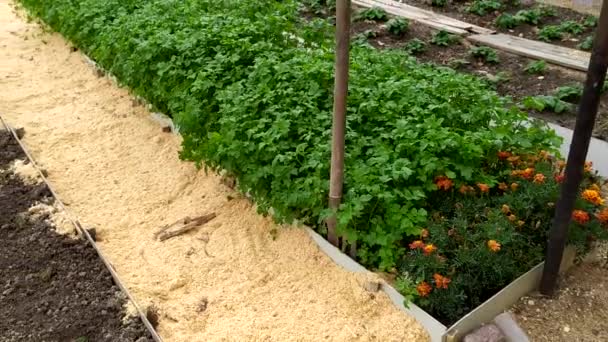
x=586 y=44
x=570 y=93
x=372 y=14
x=542 y=103
x=483 y=7
x=439 y=3
x=531 y=17
x=485 y=53
x=546 y=11
x=507 y=21
x=444 y=38
x=536 y=67
x=415 y=46
x=572 y=27
x=397 y=26
x=458 y=63
x=550 y=33
x=590 y=21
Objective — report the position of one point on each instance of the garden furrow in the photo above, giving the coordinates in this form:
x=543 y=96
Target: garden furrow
x=232 y=279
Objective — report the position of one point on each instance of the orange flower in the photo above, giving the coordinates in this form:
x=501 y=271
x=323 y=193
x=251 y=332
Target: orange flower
x=504 y=154
x=539 y=178
x=503 y=186
x=515 y=173
x=441 y=281
x=424 y=289
x=559 y=177
x=513 y=159
x=465 y=189
x=443 y=183
x=505 y=209
x=544 y=154
x=602 y=216
x=494 y=245
x=418 y=244
x=483 y=187
x=429 y=249
x=588 y=166
x=512 y=218
x=520 y=223
x=424 y=233
x=593 y=196
x=561 y=164
x=527 y=173
x=580 y=216
x=514 y=186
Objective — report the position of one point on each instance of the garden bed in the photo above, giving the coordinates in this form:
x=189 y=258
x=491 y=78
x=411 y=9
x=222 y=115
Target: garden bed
x=527 y=19
x=511 y=75
x=440 y=172
x=54 y=287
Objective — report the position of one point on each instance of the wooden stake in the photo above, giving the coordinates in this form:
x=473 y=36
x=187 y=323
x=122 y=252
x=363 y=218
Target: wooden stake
x=188 y=225
x=587 y=112
x=339 y=119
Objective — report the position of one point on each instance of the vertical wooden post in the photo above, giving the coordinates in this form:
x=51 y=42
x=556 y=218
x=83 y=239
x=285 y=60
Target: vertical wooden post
x=339 y=118
x=587 y=112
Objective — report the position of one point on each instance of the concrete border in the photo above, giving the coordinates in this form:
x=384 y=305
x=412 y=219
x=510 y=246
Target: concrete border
x=598 y=149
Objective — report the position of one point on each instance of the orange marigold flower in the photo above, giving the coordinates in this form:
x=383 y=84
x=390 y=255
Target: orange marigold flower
x=429 y=249
x=521 y=223
x=494 y=245
x=465 y=189
x=418 y=244
x=512 y=218
x=424 y=289
x=504 y=154
x=424 y=233
x=588 y=166
x=505 y=209
x=503 y=186
x=444 y=183
x=602 y=216
x=483 y=187
x=580 y=216
x=514 y=186
x=593 y=196
x=559 y=177
x=513 y=160
x=561 y=164
x=528 y=173
x=539 y=178
x=441 y=281
x=515 y=173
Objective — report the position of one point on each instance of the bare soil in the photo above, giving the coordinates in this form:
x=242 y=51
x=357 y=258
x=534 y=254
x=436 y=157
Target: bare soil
x=458 y=10
x=578 y=313
x=53 y=287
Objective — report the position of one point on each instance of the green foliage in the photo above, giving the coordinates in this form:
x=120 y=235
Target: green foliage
x=550 y=33
x=586 y=44
x=466 y=229
x=507 y=21
x=536 y=67
x=485 y=53
x=397 y=26
x=415 y=46
x=439 y=3
x=444 y=38
x=373 y=14
x=251 y=88
x=531 y=16
x=570 y=93
x=590 y=21
x=483 y=7
x=458 y=63
x=546 y=103
x=572 y=27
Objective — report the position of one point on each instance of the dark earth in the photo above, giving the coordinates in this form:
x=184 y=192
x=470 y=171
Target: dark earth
x=508 y=77
x=52 y=287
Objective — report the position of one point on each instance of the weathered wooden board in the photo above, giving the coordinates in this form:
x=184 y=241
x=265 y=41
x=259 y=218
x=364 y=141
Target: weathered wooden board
x=437 y=21
x=571 y=58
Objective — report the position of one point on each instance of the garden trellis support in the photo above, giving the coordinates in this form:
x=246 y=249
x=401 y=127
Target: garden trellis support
x=339 y=119
x=587 y=113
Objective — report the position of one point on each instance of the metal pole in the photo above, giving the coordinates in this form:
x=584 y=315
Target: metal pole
x=339 y=119
x=587 y=112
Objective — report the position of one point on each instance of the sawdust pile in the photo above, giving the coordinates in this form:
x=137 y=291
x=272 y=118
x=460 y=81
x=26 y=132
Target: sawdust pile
x=26 y=171
x=230 y=280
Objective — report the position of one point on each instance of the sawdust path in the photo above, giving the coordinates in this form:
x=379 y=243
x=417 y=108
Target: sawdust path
x=118 y=172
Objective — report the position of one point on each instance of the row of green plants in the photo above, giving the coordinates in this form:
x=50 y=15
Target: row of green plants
x=250 y=85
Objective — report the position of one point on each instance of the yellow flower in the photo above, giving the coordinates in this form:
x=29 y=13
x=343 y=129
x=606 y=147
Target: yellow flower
x=494 y=245
x=520 y=223
x=539 y=178
x=505 y=209
x=514 y=186
x=512 y=218
x=593 y=196
x=429 y=249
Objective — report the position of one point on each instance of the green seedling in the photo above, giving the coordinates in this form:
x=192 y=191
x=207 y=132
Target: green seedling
x=550 y=33
x=372 y=14
x=397 y=26
x=586 y=44
x=483 y=7
x=484 y=53
x=536 y=67
x=415 y=46
x=444 y=38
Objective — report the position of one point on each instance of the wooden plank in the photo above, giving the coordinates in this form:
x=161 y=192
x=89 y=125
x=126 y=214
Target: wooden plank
x=570 y=58
x=429 y=18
